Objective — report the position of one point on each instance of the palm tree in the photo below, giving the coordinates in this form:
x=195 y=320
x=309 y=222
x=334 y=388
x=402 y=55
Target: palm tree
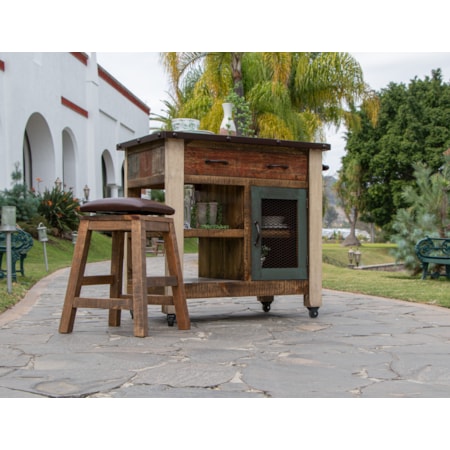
x=348 y=188
x=291 y=95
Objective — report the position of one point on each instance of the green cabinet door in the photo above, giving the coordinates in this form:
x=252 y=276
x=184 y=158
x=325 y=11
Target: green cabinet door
x=279 y=233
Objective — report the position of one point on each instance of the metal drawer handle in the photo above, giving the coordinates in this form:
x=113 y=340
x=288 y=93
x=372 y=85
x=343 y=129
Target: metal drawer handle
x=274 y=166
x=216 y=161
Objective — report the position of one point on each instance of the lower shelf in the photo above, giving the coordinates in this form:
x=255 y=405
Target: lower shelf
x=209 y=288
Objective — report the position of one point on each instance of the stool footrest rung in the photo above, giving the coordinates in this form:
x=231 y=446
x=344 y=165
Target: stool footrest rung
x=104 y=303
x=154 y=299
x=97 y=279
x=160 y=300
x=161 y=281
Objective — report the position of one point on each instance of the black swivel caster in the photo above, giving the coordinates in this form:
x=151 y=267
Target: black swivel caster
x=266 y=306
x=171 y=319
x=313 y=312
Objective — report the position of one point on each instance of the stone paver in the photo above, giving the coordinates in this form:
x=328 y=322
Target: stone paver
x=359 y=346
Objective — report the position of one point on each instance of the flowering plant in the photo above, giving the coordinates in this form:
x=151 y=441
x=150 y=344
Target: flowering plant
x=60 y=209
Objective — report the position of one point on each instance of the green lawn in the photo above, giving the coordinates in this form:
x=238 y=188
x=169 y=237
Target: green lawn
x=59 y=255
x=398 y=285
x=336 y=275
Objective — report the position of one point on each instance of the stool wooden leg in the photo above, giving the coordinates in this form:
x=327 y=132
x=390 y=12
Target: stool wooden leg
x=115 y=290
x=175 y=269
x=75 y=278
x=139 y=281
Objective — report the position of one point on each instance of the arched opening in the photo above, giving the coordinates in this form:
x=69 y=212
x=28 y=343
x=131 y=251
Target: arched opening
x=26 y=164
x=108 y=178
x=69 y=161
x=122 y=176
x=38 y=153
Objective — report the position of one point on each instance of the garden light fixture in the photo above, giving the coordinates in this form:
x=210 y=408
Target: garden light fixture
x=42 y=236
x=357 y=257
x=351 y=255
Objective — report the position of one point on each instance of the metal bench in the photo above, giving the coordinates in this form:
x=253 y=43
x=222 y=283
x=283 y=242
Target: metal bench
x=21 y=243
x=434 y=251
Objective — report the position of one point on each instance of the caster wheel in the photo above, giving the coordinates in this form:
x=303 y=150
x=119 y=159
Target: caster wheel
x=266 y=307
x=170 y=319
x=313 y=312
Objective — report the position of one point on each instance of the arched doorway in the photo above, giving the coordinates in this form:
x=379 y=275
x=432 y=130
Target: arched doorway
x=108 y=178
x=69 y=161
x=38 y=153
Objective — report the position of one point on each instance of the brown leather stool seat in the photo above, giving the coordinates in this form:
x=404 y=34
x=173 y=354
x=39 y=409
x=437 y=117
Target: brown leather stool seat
x=140 y=218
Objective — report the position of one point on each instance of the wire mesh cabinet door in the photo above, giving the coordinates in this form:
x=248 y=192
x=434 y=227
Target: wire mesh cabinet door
x=279 y=233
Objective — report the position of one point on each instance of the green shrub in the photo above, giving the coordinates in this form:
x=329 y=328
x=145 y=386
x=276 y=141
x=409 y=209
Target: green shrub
x=21 y=197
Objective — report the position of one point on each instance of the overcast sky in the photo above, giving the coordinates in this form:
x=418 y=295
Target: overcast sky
x=142 y=73
x=135 y=26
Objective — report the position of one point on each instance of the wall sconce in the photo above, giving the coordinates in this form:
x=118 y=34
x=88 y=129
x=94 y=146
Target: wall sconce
x=74 y=237
x=42 y=236
x=8 y=226
x=86 y=191
x=58 y=183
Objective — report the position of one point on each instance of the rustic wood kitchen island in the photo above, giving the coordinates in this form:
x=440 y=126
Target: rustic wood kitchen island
x=270 y=197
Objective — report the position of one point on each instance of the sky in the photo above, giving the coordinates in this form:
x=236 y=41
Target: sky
x=142 y=74
x=392 y=40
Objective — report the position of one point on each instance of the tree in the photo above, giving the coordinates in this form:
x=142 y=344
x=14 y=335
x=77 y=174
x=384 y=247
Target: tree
x=427 y=213
x=330 y=216
x=412 y=127
x=348 y=189
x=291 y=95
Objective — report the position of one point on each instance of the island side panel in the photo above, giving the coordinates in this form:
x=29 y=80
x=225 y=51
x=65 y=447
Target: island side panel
x=174 y=186
x=314 y=299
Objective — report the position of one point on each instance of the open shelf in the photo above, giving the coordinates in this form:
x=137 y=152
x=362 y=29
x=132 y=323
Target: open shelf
x=214 y=233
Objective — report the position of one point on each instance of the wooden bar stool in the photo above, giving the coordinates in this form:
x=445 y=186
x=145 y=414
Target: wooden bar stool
x=137 y=217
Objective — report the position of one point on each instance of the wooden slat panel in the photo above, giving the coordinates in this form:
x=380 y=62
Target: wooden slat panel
x=216 y=288
x=221 y=258
x=142 y=164
x=256 y=163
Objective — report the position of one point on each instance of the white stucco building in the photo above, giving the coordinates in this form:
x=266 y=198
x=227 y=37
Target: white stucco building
x=61 y=116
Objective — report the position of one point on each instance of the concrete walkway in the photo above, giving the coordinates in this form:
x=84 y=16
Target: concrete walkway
x=359 y=346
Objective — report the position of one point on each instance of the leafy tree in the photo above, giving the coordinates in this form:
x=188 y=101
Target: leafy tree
x=427 y=213
x=290 y=95
x=412 y=127
x=348 y=189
